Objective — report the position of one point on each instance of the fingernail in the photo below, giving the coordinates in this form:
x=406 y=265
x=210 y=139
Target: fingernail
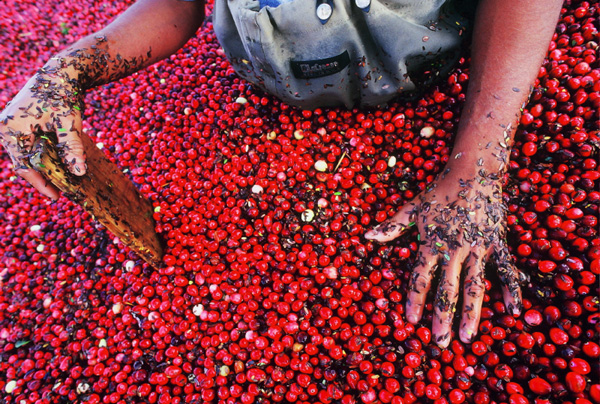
x=413 y=319
x=466 y=335
x=79 y=169
x=443 y=342
x=370 y=234
x=514 y=310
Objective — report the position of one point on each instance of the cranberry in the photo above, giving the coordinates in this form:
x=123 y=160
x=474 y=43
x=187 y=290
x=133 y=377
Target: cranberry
x=579 y=366
x=558 y=336
x=575 y=382
x=269 y=292
x=540 y=386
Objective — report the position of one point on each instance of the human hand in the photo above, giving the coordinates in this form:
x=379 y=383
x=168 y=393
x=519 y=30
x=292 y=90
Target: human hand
x=461 y=223
x=50 y=102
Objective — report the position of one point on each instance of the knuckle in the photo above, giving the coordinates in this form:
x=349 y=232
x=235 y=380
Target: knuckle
x=451 y=293
x=444 y=318
x=475 y=285
x=413 y=304
x=445 y=301
x=508 y=274
x=475 y=289
x=419 y=281
x=73 y=146
x=474 y=292
x=420 y=276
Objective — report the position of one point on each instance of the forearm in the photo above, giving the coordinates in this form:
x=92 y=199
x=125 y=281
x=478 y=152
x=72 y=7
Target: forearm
x=52 y=100
x=510 y=40
x=147 y=32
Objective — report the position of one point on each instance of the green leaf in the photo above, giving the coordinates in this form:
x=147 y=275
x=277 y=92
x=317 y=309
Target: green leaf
x=19 y=344
x=63 y=28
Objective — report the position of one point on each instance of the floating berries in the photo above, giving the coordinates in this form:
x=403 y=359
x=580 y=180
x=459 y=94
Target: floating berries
x=269 y=291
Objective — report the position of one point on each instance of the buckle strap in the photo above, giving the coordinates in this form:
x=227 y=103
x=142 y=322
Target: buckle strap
x=324 y=8
x=364 y=5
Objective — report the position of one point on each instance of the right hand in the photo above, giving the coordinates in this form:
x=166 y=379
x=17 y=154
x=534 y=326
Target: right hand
x=50 y=102
x=462 y=224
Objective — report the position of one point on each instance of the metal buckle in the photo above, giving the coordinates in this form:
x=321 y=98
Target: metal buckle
x=324 y=10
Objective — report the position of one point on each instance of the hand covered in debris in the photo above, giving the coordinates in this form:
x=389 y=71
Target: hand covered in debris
x=461 y=223
x=50 y=102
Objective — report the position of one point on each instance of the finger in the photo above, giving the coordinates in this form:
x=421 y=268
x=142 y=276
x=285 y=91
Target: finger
x=16 y=143
x=394 y=226
x=473 y=295
x=522 y=277
x=509 y=276
x=419 y=284
x=445 y=299
x=39 y=183
x=70 y=146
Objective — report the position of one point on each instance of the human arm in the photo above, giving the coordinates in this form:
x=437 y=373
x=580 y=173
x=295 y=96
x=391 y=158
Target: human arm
x=461 y=217
x=52 y=99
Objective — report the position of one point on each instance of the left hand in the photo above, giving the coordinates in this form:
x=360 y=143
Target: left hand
x=51 y=101
x=461 y=222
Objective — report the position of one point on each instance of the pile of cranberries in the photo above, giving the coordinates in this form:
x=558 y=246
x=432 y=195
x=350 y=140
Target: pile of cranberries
x=269 y=292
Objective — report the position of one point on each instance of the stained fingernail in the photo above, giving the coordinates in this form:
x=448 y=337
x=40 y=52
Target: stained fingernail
x=466 y=335
x=443 y=341
x=412 y=318
x=79 y=169
x=514 y=310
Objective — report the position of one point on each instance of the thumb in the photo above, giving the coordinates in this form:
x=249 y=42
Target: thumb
x=394 y=226
x=39 y=183
x=70 y=146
